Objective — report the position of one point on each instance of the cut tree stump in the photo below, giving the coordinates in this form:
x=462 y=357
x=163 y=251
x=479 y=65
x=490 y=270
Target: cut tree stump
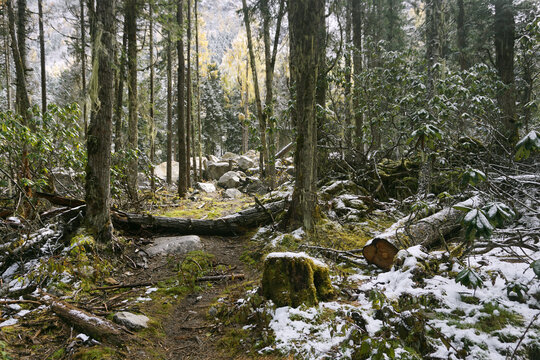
x=292 y=279
x=382 y=249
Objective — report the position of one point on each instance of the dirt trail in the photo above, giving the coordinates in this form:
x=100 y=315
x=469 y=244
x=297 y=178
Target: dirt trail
x=190 y=331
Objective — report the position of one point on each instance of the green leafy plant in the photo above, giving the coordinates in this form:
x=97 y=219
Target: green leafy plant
x=528 y=144
x=469 y=278
x=536 y=267
x=477 y=224
x=472 y=177
x=498 y=213
x=517 y=291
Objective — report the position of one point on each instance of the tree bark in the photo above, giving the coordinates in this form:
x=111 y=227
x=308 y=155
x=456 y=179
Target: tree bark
x=263 y=158
x=152 y=120
x=169 y=109
x=189 y=108
x=83 y=68
x=100 y=128
x=182 y=149
x=348 y=79
x=305 y=19
x=382 y=249
x=42 y=59
x=120 y=78
x=357 y=63
x=7 y=61
x=199 y=126
x=133 y=135
x=461 y=35
x=504 y=49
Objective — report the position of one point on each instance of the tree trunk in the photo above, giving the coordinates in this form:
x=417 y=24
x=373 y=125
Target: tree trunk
x=169 y=109
x=22 y=101
x=182 y=149
x=152 y=120
x=245 y=124
x=263 y=159
x=42 y=59
x=504 y=49
x=199 y=126
x=83 y=69
x=189 y=108
x=461 y=35
x=133 y=136
x=118 y=112
x=7 y=61
x=348 y=79
x=270 y=54
x=100 y=128
x=382 y=249
x=357 y=63
x=235 y=224
x=305 y=19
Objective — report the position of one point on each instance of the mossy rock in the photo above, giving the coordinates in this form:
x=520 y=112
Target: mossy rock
x=292 y=279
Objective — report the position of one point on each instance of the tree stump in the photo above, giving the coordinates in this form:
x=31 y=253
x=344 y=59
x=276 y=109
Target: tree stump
x=292 y=279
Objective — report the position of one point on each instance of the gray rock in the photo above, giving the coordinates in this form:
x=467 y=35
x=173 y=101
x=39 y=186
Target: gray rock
x=174 y=245
x=232 y=194
x=206 y=187
x=161 y=171
x=213 y=158
x=229 y=156
x=216 y=170
x=230 y=179
x=256 y=186
x=131 y=321
x=245 y=163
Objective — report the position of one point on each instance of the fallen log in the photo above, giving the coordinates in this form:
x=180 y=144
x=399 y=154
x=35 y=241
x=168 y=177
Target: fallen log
x=382 y=249
x=94 y=326
x=60 y=200
x=285 y=150
x=234 y=224
x=212 y=278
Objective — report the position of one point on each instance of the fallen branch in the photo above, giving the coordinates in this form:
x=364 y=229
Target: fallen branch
x=96 y=327
x=221 y=277
x=333 y=254
x=9 y=302
x=124 y=286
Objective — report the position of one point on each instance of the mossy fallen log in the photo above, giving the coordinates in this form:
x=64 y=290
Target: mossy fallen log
x=234 y=224
x=382 y=249
x=292 y=279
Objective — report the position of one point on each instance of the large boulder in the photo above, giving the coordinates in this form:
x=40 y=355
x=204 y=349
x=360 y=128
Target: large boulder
x=232 y=194
x=293 y=279
x=161 y=171
x=131 y=321
x=213 y=158
x=216 y=170
x=245 y=163
x=229 y=156
x=231 y=179
x=206 y=187
x=174 y=245
x=255 y=186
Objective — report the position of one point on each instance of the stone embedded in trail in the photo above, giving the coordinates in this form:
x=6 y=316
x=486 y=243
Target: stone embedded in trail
x=174 y=245
x=207 y=187
x=131 y=321
x=292 y=279
x=231 y=179
x=232 y=194
x=215 y=170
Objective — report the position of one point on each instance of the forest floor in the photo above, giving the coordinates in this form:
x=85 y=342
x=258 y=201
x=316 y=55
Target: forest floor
x=415 y=311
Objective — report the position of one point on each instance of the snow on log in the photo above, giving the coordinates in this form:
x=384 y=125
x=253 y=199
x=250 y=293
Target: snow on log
x=401 y=235
x=228 y=225
x=96 y=327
